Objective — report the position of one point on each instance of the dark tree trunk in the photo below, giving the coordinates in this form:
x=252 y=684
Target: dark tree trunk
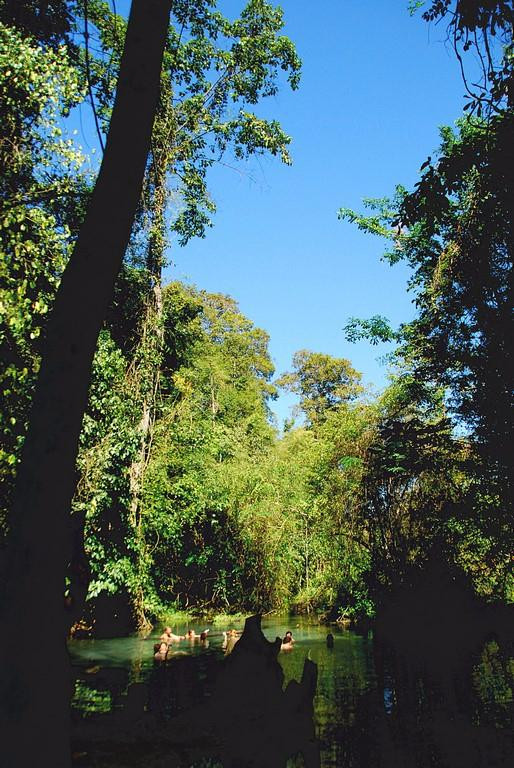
x=35 y=679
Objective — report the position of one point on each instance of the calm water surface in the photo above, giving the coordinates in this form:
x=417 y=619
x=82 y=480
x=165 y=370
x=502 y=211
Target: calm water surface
x=369 y=711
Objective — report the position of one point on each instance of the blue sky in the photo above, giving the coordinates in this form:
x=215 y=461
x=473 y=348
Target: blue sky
x=376 y=85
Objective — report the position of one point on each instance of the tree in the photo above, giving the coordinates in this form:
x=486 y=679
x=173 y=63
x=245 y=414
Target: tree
x=211 y=67
x=485 y=29
x=47 y=21
x=409 y=483
x=40 y=523
x=42 y=191
x=323 y=382
x=213 y=422
x=455 y=232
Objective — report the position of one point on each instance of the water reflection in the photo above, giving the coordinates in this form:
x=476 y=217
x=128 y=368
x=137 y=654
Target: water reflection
x=425 y=713
x=238 y=709
x=375 y=707
x=493 y=683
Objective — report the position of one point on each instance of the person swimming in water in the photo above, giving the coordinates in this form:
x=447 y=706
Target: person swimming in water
x=169 y=637
x=161 y=652
x=287 y=642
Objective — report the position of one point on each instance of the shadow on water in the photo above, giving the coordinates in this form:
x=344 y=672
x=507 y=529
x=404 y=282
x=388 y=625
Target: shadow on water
x=444 y=676
x=395 y=699
x=199 y=710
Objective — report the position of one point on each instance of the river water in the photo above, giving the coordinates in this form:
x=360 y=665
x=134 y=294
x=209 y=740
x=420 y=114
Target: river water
x=370 y=711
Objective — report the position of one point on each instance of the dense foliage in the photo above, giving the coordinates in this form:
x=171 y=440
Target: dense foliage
x=41 y=192
x=187 y=495
x=454 y=230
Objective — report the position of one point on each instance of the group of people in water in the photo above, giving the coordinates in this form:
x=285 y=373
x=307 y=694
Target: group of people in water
x=163 y=649
x=231 y=636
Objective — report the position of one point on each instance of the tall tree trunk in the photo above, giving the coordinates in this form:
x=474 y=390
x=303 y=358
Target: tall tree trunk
x=146 y=380
x=148 y=371
x=35 y=676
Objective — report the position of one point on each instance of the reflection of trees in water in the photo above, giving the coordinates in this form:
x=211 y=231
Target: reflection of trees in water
x=98 y=690
x=137 y=672
x=382 y=707
x=423 y=716
x=436 y=678
x=493 y=684
x=195 y=706
x=377 y=705
x=180 y=684
x=88 y=699
x=343 y=681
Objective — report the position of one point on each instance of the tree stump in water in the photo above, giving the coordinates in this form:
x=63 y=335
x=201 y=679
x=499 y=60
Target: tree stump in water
x=256 y=722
